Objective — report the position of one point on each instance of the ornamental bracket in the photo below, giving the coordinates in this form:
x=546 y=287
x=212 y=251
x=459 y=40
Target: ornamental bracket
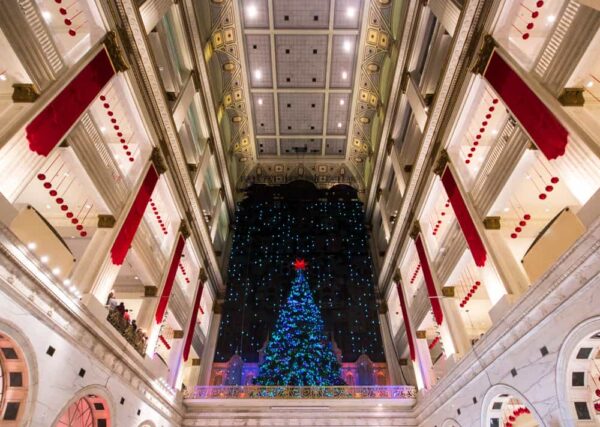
x=157 y=160
x=441 y=163
x=484 y=55
x=416 y=229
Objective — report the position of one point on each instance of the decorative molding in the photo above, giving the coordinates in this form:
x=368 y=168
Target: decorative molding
x=415 y=230
x=184 y=230
x=572 y=97
x=106 y=221
x=25 y=92
x=196 y=361
x=158 y=161
x=449 y=291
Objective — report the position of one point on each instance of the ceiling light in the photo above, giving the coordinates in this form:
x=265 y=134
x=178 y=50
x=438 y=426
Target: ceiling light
x=589 y=84
x=102 y=129
x=72 y=288
x=48 y=206
x=3 y=77
x=342 y=102
x=347 y=45
x=339 y=124
x=67 y=282
x=344 y=75
x=47 y=15
x=258 y=74
x=56 y=271
x=506 y=209
x=350 y=12
x=260 y=101
x=551 y=18
x=31 y=246
x=136 y=278
x=495 y=132
x=44 y=259
x=252 y=11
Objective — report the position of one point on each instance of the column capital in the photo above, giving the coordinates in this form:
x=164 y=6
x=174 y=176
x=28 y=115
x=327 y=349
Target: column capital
x=177 y=334
x=416 y=229
x=150 y=291
x=184 y=230
x=448 y=291
x=25 y=92
x=572 y=97
x=441 y=163
x=397 y=277
x=491 y=223
x=485 y=52
x=421 y=335
x=106 y=221
x=115 y=52
x=158 y=161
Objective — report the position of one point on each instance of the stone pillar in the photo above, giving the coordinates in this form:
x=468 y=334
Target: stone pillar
x=424 y=360
x=18 y=166
x=210 y=346
x=389 y=351
x=454 y=328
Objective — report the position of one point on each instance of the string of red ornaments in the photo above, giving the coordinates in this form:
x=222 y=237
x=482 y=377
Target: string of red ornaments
x=165 y=342
x=516 y=414
x=184 y=273
x=58 y=192
x=439 y=221
x=433 y=343
x=483 y=126
x=72 y=17
x=415 y=273
x=158 y=217
x=116 y=127
x=469 y=291
x=526 y=17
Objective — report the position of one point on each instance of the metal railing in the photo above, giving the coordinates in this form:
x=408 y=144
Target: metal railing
x=132 y=335
x=293 y=392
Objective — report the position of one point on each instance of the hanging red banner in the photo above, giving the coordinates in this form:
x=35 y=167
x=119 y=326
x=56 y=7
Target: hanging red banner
x=464 y=218
x=126 y=234
x=48 y=128
x=166 y=292
x=409 y=336
x=543 y=127
x=434 y=299
x=190 y=333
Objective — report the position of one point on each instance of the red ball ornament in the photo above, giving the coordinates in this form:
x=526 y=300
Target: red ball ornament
x=542 y=196
x=83 y=233
x=598 y=392
x=41 y=176
x=511 y=418
x=473 y=149
x=62 y=11
x=74 y=221
x=518 y=229
x=535 y=14
x=478 y=136
x=513 y=235
x=119 y=134
x=110 y=113
x=462 y=304
x=128 y=152
x=72 y=33
x=477 y=283
x=64 y=208
x=525 y=36
x=527 y=217
x=102 y=98
x=475 y=143
x=443 y=213
x=47 y=185
x=125 y=147
x=470 y=155
x=484 y=123
x=597 y=406
x=554 y=180
x=522 y=223
x=488 y=116
x=53 y=193
x=79 y=227
x=526 y=410
x=549 y=188
x=69 y=214
x=491 y=109
x=530 y=26
x=495 y=101
x=113 y=120
x=116 y=127
x=106 y=105
x=59 y=200
x=68 y=22
x=467 y=161
x=540 y=3
x=131 y=159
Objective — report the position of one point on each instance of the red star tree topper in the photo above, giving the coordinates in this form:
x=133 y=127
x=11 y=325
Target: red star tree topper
x=300 y=264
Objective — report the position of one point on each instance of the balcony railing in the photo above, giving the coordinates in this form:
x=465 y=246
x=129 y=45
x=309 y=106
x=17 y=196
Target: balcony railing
x=292 y=392
x=132 y=335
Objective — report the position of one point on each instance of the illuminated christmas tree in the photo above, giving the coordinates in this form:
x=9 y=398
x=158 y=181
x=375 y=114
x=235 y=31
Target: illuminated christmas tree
x=298 y=352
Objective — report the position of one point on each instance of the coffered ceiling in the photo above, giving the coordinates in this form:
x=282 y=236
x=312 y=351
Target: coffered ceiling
x=301 y=85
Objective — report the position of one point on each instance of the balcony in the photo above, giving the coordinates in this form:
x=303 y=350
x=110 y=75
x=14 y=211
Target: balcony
x=132 y=335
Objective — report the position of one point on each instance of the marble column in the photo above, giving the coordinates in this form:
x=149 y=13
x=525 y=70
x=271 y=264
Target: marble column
x=210 y=346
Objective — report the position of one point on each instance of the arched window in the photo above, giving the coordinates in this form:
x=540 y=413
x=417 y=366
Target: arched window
x=507 y=410
x=88 y=411
x=14 y=381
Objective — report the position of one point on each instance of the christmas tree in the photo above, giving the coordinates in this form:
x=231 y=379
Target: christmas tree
x=298 y=352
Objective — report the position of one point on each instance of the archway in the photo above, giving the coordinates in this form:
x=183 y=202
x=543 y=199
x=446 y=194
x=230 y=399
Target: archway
x=503 y=406
x=14 y=382
x=578 y=376
x=87 y=410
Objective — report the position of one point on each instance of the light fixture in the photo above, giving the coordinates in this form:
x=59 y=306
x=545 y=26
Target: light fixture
x=44 y=259
x=350 y=12
x=56 y=271
x=260 y=101
x=47 y=15
x=347 y=45
x=67 y=282
x=102 y=129
x=258 y=74
x=3 y=77
x=495 y=132
x=72 y=288
x=48 y=206
x=31 y=246
x=551 y=18
x=344 y=75
x=506 y=209
x=342 y=102
x=136 y=278
x=252 y=12
x=339 y=124
x=589 y=84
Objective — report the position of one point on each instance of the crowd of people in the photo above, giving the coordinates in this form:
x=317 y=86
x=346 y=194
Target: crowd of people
x=120 y=318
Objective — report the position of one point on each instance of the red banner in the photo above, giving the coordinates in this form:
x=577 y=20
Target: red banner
x=409 y=336
x=464 y=218
x=166 y=292
x=190 y=334
x=542 y=126
x=48 y=128
x=123 y=241
x=434 y=299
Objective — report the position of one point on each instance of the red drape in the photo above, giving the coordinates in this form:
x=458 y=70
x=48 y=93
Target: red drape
x=190 y=334
x=542 y=126
x=52 y=123
x=134 y=217
x=166 y=292
x=433 y=295
x=464 y=218
x=409 y=337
